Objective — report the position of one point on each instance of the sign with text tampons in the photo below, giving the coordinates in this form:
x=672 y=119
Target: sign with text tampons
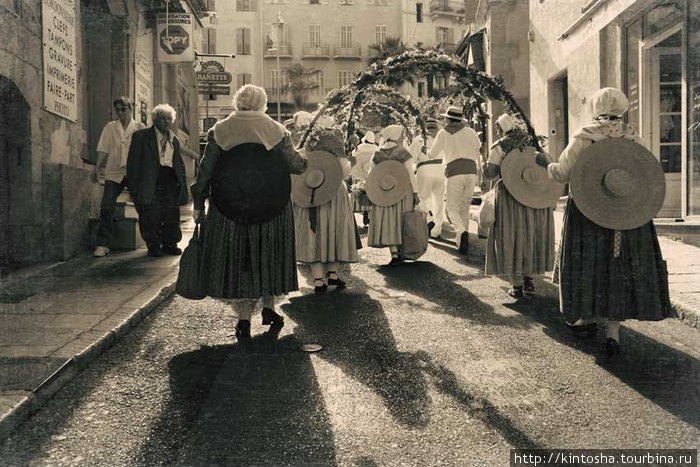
x=60 y=58
x=174 y=33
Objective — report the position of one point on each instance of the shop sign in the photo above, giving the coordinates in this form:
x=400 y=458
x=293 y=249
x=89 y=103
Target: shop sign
x=60 y=58
x=175 y=37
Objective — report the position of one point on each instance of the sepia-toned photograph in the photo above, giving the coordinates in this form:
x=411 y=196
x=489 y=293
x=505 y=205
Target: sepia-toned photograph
x=349 y=233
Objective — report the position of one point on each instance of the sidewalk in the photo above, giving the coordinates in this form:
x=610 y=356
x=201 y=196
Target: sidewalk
x=55 y=319
x=683 y=261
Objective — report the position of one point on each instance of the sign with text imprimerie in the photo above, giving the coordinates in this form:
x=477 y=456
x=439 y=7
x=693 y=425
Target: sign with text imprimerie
x=60 y=58
x=213 y=78
x=175 y=37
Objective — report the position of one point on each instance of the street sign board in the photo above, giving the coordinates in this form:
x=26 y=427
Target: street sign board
x=215 y=90
x=175 y=39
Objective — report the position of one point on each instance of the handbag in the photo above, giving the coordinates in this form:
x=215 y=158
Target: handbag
x=415 y=235
x=487 y=213
x=190 y=283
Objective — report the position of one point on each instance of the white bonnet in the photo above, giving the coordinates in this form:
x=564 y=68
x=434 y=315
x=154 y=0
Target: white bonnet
x=392 y=132
x=302 y=118
x=250 y=97
x=609 y=101
x=368 y=138
x=507 y=122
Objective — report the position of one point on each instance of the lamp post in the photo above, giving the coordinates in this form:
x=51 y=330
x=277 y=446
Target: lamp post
x=280 y=25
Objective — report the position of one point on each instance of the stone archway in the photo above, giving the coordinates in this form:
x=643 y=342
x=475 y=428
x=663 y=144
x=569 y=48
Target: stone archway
x=15 y=172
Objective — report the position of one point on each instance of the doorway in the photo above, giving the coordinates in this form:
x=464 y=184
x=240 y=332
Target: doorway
x=664 y=111
x=15 y=174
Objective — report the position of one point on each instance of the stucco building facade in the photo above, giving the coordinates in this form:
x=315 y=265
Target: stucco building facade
x=647 y=48
x=55 y=101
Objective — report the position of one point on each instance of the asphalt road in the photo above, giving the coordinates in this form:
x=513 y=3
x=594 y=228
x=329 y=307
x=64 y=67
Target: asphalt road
x=430 y=363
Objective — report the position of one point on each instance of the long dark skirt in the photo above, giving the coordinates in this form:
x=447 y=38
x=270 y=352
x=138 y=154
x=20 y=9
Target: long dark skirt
x=596 y=284
x=249 y=261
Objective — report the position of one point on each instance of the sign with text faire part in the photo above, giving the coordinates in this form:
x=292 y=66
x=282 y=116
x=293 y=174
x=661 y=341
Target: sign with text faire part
x=60 y=58
x=175 y=38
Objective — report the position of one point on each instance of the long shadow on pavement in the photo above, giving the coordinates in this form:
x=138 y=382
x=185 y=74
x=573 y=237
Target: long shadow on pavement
x=436 y=285
x=666 y=376
x=243 y=404
x=358 y=339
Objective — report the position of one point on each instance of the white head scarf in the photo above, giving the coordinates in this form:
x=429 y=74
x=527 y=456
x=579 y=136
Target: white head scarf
x=302 y=118
x=609 y=101
x=391 y=135
x=368 y=138
x=250 y=97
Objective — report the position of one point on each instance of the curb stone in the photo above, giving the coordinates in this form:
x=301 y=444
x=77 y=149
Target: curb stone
x=29 y=402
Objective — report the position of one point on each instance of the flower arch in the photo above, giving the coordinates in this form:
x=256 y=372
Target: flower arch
x=381 y=79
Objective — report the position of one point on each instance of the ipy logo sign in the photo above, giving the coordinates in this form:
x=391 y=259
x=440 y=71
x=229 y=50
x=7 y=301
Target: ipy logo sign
x=174 y=40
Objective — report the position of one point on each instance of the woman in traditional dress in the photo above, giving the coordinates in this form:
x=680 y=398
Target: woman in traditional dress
x=386 y=222
x=360 y=168
x=604 y=274
x=241 y=260
x=326 y=235
x=521 y=241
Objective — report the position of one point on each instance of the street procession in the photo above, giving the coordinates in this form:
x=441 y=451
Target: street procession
x=342 y=233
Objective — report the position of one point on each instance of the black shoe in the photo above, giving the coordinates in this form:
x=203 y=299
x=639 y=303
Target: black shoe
x=320 y=289
x=394 y=261
x=612 y=348
x=528 y=285
x=584 y=331
x=464 y=243
x=516 y=292
x=431 y=226
x=338 y=283
x=172 y=250
x=270 y=317
x=155 y=252
x=365 y=218
x=243 y=329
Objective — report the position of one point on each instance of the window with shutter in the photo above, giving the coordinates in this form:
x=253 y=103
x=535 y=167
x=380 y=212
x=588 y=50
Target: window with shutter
x=314 y=35
x=419 y=12
x=246 y=41
x=346 y=36
x=380 y=34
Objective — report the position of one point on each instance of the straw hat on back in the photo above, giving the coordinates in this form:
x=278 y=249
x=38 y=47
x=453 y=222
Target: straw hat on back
x=528 y=182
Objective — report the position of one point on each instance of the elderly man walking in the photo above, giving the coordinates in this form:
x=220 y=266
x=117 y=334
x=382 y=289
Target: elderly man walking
x=113 y=148
x=458 y=146
x=156 y=178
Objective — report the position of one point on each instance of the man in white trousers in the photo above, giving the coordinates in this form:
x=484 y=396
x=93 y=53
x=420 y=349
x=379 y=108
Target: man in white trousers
x=458 y=146
x=430 y=177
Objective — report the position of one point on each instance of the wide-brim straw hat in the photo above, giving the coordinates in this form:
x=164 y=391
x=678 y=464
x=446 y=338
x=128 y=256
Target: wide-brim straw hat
x=528 y=182
x=251 y=187
x=618 y=184
x=320 y=181
x=387 y=183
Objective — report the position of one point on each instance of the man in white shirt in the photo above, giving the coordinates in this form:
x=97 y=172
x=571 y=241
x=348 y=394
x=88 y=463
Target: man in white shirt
x=430 y=177
x=458 y=146
x=113 y=148
x=155 y=173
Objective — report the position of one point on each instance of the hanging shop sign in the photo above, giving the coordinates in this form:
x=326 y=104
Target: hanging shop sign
x=143 y=88
x=60 y=58
x=175 y=37
x=213 y=79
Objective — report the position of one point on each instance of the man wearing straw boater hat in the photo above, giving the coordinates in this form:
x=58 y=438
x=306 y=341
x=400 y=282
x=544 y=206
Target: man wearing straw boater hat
x=458 y=146
x=610 y=263
x=430 y=176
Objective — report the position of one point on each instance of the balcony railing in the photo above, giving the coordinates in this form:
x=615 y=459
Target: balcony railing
x=272 y=95
x=285 y=51
x=353 y=51
x=450 y=8
x=316 y=51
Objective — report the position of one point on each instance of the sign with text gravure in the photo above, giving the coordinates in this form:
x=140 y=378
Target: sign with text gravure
x=60 y=58
x=175 y=37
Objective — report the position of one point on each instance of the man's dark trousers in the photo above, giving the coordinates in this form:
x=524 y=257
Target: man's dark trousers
x=159 y=221
x=111 y=192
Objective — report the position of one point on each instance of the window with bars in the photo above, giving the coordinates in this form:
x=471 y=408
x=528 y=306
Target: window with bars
x=315 y=35
x=346 y=36
x=243 y=41
x=379 y=34
x=344 y=77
